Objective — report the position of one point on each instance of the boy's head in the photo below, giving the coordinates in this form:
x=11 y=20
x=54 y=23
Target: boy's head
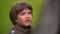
x=21 y=13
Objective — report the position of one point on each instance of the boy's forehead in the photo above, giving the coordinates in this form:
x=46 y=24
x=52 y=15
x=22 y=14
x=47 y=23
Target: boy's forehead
x=26 y=10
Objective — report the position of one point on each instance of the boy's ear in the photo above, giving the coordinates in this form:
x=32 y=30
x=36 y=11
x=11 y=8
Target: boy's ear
x=16 y=21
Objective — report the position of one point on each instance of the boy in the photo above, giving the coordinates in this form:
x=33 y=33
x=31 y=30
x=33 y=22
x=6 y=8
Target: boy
x=21 y=16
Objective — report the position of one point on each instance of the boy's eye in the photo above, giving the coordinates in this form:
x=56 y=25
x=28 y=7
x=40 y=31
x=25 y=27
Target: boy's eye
x=29 y=13
x=22 y=13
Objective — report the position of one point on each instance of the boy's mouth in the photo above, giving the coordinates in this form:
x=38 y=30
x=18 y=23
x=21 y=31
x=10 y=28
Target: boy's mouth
x=27 y=21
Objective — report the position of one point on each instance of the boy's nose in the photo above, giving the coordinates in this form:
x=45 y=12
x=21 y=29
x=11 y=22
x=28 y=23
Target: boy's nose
x=27 y=16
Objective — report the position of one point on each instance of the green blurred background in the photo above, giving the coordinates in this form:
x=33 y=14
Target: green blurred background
x=5 y=6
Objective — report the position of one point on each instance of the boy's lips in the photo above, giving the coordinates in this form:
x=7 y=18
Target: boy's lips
x=27 y=21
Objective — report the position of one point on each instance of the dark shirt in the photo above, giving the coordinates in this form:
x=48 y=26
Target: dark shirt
x=20 y=30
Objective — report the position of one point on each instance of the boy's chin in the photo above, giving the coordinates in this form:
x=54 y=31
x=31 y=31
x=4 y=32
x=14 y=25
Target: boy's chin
x=27 y=24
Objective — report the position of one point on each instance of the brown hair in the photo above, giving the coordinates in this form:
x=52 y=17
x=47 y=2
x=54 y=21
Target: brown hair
x=16 y=9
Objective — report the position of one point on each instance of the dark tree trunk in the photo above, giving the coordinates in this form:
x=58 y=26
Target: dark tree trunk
x=49 y=19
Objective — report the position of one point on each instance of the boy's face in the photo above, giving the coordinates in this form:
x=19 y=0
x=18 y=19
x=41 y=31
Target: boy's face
x=24 y=18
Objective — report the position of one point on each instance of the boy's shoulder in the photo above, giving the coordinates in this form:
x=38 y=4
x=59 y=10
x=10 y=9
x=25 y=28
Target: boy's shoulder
x=12 y=30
